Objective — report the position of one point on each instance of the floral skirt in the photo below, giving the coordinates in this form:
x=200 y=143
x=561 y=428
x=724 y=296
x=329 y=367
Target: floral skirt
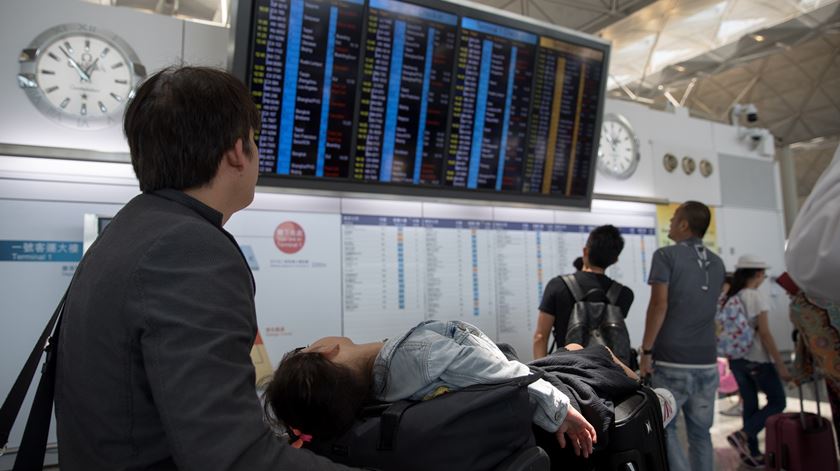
x=818 y=346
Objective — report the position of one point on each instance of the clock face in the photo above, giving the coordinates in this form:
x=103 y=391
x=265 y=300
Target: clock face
x=80 y=76
x=688 y=165
x=618 y=152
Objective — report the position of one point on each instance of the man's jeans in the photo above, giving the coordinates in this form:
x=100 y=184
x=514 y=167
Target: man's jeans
x=751 y=378
x=695 y=390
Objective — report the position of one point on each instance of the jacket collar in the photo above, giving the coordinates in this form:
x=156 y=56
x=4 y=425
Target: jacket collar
x=211 y=215
x=215 y=217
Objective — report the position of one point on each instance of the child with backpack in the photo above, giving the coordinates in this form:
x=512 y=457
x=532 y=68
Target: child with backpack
x=744 y=337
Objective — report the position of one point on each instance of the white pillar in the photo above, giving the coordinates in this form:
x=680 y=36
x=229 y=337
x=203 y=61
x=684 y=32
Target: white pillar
x=790 y=195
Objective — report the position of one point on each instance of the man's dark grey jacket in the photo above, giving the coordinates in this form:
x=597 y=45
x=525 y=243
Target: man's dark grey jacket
x=154 y=370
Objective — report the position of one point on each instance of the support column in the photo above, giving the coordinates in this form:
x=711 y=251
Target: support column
x=790 y=194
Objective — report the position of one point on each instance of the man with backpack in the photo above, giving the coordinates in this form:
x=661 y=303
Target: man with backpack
x=685 y=280
x=562 y=303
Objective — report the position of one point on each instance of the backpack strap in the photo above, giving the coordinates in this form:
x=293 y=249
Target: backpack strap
x=614 y=292
x=390 y=422
x=574 y=287
x=33 y=445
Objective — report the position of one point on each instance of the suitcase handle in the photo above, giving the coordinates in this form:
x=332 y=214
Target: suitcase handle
x=802 y=406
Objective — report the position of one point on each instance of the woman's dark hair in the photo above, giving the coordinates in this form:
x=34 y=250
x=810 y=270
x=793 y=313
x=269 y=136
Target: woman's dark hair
x=180 y=123
x=740 y=279
x=605 y=245
x=315 y=395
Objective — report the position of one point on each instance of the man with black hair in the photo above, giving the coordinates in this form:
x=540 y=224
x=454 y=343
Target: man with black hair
x=153 y=365
x=602 y=249
x=685 y=281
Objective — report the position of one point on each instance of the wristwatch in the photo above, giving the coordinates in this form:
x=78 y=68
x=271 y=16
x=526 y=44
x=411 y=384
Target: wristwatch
x=646 y=351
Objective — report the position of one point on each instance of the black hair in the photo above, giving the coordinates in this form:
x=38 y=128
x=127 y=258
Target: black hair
x=181 y=121
x=605 y=245
x=578 y=263
x=740 y=279
x=315 y=395
x=697 y=215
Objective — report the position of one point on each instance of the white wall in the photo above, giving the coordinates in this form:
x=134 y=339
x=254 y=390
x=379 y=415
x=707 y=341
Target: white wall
x=659 y=133
x=747 y=222
x=157 y=40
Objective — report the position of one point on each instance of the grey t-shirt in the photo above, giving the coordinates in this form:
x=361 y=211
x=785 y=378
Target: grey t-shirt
x=688 y=332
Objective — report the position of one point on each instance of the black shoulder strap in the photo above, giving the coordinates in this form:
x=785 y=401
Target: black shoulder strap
x=574 y=287
x=30 y=455
x=389 y=422
x=614 y=292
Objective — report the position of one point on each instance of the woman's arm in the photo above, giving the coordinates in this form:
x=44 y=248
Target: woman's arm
x=545 y=322
x=770 y=345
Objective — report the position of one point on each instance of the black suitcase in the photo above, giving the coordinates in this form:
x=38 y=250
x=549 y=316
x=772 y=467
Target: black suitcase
x=636 y=440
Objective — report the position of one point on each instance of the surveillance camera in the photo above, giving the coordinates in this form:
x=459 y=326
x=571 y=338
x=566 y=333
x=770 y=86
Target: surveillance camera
x=752 y=113
x=756 y=134
x=748 y=109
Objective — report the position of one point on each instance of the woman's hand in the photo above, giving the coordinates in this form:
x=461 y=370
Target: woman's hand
x=645 y=365
x=784 y=374
x=581 y=433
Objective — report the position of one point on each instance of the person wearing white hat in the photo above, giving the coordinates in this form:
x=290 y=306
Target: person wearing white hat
x=755 y=371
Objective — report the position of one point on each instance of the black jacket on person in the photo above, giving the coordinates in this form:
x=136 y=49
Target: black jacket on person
x=154 y=367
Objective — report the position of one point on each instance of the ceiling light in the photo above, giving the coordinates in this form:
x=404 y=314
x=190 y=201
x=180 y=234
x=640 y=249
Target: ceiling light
x=758 y=38
x=679 y=68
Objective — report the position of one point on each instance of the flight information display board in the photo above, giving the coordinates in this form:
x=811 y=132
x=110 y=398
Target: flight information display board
x=426 y=98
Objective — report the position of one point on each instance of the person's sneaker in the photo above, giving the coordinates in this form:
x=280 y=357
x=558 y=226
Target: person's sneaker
x=738 y=441
x=734 y=411
x=752 y=461
x=668 y=405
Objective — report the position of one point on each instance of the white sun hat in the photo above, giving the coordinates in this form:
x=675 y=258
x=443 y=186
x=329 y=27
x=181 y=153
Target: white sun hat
x=751 y=261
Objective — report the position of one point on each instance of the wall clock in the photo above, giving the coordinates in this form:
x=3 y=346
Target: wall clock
x=669 y=162
x=688 y=165
x=618 y=150
x=80 y=76
x=706 y=168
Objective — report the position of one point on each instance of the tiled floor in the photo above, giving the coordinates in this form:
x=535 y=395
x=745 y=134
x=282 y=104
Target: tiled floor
x=726 y=458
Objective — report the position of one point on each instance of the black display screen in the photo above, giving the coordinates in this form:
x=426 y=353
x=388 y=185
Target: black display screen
x=427 y=98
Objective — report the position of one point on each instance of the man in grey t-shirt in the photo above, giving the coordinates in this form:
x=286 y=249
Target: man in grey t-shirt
x=685 y=281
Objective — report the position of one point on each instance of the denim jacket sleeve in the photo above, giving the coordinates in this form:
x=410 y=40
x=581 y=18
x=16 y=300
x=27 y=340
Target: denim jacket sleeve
x=478 y=361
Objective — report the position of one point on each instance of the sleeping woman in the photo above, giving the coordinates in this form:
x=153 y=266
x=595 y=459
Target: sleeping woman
x=428 y=360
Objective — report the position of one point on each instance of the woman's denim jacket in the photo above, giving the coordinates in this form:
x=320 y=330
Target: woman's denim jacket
x=454 y=355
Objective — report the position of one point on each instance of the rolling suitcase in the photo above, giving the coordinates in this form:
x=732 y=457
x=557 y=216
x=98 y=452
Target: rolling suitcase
x=637 y=439
x=800 y=440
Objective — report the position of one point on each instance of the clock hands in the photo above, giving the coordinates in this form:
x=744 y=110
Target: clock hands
x=89 y=69
x=82 y=74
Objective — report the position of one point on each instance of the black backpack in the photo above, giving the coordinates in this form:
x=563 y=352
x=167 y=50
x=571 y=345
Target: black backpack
x=480 y=427
x=596 y=322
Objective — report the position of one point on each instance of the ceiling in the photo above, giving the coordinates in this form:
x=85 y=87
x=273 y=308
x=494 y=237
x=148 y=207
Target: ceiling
x=789 y=70
x=581 y=15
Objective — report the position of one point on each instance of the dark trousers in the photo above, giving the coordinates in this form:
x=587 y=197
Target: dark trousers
x=753 y=377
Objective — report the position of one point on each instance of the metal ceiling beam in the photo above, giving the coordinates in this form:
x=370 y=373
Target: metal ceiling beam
x=580 y=5
x=624 y=10
x=543 y=12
